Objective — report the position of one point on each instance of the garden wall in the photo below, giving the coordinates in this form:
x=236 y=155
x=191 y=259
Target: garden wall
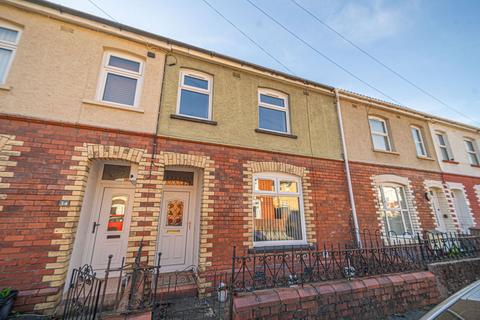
x=368 y=298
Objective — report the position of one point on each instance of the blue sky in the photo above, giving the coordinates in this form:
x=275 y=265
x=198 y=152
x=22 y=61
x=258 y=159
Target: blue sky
x=434 y=44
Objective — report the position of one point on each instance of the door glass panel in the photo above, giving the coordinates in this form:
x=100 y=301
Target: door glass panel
x=264 y=185
x=277 y=218
x=175 y=213
x=117 y=213
x=288 y=186
x=112 y=172
x=178 y=178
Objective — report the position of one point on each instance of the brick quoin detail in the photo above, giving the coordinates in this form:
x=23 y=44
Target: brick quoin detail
x=258 y=167
x=8 y=146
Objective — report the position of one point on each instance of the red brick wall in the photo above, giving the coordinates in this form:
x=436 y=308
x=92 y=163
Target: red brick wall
x=369 y=298
x=30 y=209
x=469 y=183
x=365 y=198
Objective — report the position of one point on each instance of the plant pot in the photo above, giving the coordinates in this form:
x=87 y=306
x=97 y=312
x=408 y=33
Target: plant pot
x=6 y=304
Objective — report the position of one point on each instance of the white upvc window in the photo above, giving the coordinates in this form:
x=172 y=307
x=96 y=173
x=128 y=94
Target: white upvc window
x=273 y=114
x=443 y=145
x=419 y=143
x=278 y=210
x=379 y=133
x=9 y=37
x=395 y=211
x=121 y=79
x=472 y=151
x=195 y=95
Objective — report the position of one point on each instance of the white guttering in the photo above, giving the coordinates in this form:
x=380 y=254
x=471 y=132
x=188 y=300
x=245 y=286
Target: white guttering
x=347 y=171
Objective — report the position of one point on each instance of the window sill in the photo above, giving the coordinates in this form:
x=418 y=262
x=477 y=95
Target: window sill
x=286 y=135
x=450 y=161
x=4 y=87
x=475 y=165
x=179 y=117
x=387 y=152
x=112 y=106
x=425 y=158
x=273 y=249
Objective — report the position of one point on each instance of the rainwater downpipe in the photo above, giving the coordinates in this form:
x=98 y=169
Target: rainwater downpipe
x=347 y=171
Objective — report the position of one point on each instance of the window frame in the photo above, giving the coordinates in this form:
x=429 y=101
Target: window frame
x=277 y=177
x=445 y=146
x=382 y=134
x=421 y=142
x=182 y=85
x=286 y=109
x=473 y=152
x=384 y=209
x=9 y=46
x=106 y=69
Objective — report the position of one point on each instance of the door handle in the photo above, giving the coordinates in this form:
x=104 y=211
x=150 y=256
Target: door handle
x=94 y=226
x=189 y=225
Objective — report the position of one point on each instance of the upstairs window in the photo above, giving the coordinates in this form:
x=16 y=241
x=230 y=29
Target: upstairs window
x=395 y=212
x=195 y=95
x=121 y=80
x=273 y=111
x=472 y=152
x=8 y=45
x=277 y=210
x=379 y=132
x=418 y=140
x=443 y=145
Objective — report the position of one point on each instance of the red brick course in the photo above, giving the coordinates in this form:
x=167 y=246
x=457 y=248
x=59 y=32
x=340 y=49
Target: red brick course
x=30 y=209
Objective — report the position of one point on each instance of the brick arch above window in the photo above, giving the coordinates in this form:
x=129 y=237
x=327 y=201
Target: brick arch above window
x=250 y=169
x=390 y=178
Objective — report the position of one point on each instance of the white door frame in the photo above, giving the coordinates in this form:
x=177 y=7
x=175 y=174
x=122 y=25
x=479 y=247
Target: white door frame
x=193 y=234
x=100 y=187
x=437 y=210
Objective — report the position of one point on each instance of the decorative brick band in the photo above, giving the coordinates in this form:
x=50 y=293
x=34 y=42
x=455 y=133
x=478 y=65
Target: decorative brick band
x=250 y=168
x=206 y=207
x=78 y=175
x=377 y=180
x=7 y=144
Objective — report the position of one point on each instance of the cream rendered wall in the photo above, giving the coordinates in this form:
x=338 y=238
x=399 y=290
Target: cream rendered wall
x=456 y=137
x=359 y=142
x=56 y=69
x=313 y=115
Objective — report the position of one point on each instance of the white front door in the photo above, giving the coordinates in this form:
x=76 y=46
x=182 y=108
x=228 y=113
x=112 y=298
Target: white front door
x=463 y=213
x=438 y=212
x=110 y=227
x=176 y=231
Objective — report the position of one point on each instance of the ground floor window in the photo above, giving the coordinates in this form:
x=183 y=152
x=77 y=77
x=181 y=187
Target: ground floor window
x=395 y=211
x=277 y=210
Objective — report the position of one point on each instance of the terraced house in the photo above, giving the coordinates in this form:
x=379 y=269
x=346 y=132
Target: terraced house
x=112 y=138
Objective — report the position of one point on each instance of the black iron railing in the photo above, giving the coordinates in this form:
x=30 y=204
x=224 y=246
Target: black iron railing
x=380 y=254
